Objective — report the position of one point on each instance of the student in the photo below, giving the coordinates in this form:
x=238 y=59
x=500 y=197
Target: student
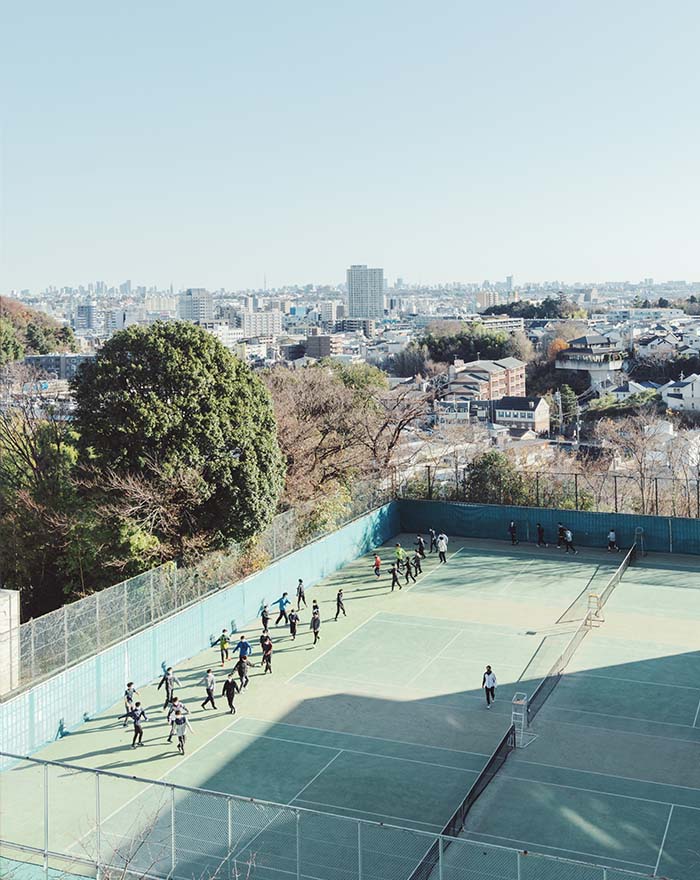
x=243 y=647
x=569 y=541
x=442 y=548
x=417 y=568
x=377 y=565
x=129 y=695
x=293 y=623
x=444 y=538
x=394 y=572
x=175 y=706
x=316 y=626
x=409 y=571
x=540 y=536
x=209 y=683
x=229 y=690
x=242 y=669
x=282 y=603
x=301 y=595
x=420 y=545
x=612 y=541
x=339 y=605
x=400 y=556
x=488 y=683
x=137 y=715
x=223 y=642
x=169 y=680
x=561 y=535
x=265 y=618
x=433 y=540
x=513 y=532
x=182 y=725
x=314 y=607
x=267 y=655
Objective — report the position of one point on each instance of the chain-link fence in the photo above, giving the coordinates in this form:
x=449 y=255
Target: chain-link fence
x=53 y=642
x=72 y=819
x=607 y=492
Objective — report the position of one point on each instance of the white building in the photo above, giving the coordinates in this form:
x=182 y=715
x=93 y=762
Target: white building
x=683 y=394
x=365 y=292
x=196 y=304
x=261 y=324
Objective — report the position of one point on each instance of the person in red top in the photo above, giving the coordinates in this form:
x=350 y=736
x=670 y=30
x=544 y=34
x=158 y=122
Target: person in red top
x=377 y=564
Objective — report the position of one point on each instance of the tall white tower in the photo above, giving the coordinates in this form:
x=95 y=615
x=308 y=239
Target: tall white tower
x=365 y=292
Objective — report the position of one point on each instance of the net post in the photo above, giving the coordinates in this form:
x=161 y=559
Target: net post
x=98 y=828
x=359 y=851
x=173 y=850
x=298 y=830
x=517 y=863
x=519 y=717
x=440 y=842
x=46 y=821
x=229 y=826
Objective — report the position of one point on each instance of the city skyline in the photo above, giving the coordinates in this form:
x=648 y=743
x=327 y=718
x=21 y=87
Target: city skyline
x=249 y=143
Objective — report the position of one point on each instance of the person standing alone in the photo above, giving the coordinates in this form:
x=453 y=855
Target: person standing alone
x=442 y=549
x=209 y=683
x=488 y=683
x=339 y=605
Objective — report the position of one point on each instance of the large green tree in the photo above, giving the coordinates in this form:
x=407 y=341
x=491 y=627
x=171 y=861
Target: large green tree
x=170 y=399
x=492 y=478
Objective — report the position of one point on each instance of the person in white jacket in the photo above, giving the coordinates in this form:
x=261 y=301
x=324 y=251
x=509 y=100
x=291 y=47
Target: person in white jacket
x=488 y=683
x=442 y=548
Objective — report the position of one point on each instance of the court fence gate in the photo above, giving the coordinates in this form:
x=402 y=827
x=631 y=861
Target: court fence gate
x=60 y=820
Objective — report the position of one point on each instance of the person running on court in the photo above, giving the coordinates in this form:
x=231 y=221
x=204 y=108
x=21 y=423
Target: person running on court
x=209 y=683
x=174 y=707
x=513 y=532
x=409 y=571
x=138 y=716
x=444 y=537
x=442 y=548
x=488 y=683
x=420 y=545
x=282 y=603
x=229 y=690
x=293 y=623
x=242 y=669
x=182 y=725
x=339 y=605
x=417 y=567
x=395 y=582
x=265 y=618
x=169 y=679
x=569 y=541
x=314 y=607
x=433 y=540
x=129 y=694
x=267 y=655
x=301 y=595
x=612 y=541
x=243 y=647
x=316 y=626
x=400 y=556
x=377 y=565
x=561 y=535
x=223 y=642
x=540 y=536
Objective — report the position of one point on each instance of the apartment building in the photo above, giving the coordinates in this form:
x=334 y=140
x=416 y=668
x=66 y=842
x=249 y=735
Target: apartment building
x=487 y=380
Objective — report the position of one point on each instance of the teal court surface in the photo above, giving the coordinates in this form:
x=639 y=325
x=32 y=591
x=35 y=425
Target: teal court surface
x=385 y=721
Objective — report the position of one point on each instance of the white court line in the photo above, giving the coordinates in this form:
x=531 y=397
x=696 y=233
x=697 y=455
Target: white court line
x=601 y=728
x=502 y=588
x=401 y=742
x=697 y=714
x=437 y=567
x=311 y=781
x=370 y=813
x=335 y=645
x=159 y=779
x=297 y=742
x=626 y=717
x=683 y=687
x=661 y=848
x=427 y=666
x=540 y=847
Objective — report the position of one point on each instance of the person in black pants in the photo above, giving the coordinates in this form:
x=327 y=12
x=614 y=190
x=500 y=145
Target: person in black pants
x=409 y=571
x=488 y=683
x=267 y=655
x=561 y=535
x=540 y=536
x=137 y=715
x=433 y=540
x=513 y=532
x=316 y=625
x=209 y=683
x=169 y=680
x=417 y=568
x=242 y=669
x=395 y=582
x=265 y=618
x=339 y=605
x=301 y=595
x=420 y=545
x=293 y=622
x=229 y=690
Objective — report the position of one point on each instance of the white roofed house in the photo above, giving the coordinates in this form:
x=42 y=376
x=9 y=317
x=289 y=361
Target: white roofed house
x=596 y=355
x=628 y=389
x=683 y=395
x=522 y=413
x=658 y=343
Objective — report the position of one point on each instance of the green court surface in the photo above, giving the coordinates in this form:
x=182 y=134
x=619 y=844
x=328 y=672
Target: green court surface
x=385 y=720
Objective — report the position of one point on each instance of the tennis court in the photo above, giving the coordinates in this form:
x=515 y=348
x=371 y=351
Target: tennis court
x=385 y=721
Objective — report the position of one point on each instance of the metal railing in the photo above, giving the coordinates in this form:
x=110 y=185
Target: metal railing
x=73 y=819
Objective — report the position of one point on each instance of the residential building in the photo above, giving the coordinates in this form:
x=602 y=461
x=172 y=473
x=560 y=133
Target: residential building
x=487 y=380
x=196 y=304
x=627 y=389
x=57 y=365
x=365 y=292
x=522 y=413
x=682 y=395
x=86 y=317
x=596 y=355
x=323 y=345
x=261 y=324
x=366 y=326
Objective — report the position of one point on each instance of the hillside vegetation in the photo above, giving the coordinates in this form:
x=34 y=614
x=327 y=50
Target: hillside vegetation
x=27 y=331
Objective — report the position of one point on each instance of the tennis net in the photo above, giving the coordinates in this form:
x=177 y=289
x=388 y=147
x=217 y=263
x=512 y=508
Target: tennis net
x=630 y=558
x=430 y=860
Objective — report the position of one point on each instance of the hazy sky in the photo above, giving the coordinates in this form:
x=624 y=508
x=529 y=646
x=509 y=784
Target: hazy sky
x=209 y=144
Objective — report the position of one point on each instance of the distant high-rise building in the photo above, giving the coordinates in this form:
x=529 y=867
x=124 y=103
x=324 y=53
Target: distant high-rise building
x=85 y=318
x=365 y=292
x=125 y=288
x=261 y=324
x=509 y=283
x=196 y=304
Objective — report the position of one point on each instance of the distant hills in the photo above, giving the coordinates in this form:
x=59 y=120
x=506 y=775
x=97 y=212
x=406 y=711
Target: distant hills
x=26 y=331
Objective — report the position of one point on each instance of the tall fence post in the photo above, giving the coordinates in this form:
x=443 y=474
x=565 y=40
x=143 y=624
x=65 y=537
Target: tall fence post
x=537 y=488
x=33 y=651
x=173 y=848
x=576 y=490
x=298 y=845
x=359 y=851
x=65 y=636
x=229 y=830
x=670 y=536
x=615 y=489
x=430 y=485
x=656 y=494
x=98 y=828
x=517 y=862
x=46 y=821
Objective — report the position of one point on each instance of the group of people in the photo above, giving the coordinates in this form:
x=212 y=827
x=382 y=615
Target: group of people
x=565 y=537
x=409 y=564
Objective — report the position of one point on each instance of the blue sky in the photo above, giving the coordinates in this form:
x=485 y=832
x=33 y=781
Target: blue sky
x=212 y=144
